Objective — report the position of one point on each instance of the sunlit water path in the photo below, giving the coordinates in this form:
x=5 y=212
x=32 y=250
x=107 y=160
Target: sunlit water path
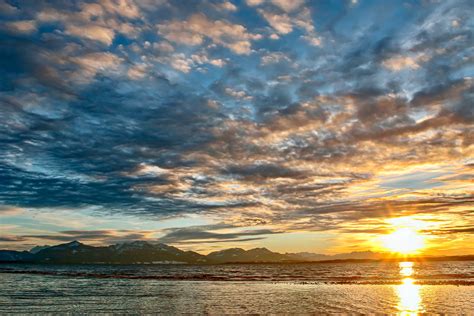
x=409 y=292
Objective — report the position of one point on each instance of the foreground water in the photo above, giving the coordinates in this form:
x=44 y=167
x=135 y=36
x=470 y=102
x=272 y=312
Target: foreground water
x=422 y=287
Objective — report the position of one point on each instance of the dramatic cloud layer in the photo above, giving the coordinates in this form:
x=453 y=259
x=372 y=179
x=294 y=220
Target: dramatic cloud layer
x=237 y=122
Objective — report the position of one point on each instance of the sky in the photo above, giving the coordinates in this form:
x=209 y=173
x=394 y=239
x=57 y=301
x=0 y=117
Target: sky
x=316 y=126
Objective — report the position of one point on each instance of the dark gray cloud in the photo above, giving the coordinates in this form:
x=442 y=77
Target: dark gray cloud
x=454 y=230
x=262 y=171
x=204 y=234
x=12 y=239
x=102 y=236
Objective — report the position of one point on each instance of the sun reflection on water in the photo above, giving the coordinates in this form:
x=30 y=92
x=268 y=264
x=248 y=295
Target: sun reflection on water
x=408 y=292
x=406 y=269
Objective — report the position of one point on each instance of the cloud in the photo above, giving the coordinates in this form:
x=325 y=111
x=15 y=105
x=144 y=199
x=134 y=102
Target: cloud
x=285 y=116
x=397 y=63
x=181 y=63
x=291 y=16
x=275 y=57
x=254 y=2
x=137 y=71
x=280 y=22
x=227 y=6
x=93 y=32
x=93 y=63
x=164 y=47
x=287 y=5
x=7 y=8
x=203 y=235
x=22 y=27
x=125 y=8
x=10 y=211
x=95 y=21
x=466 y=230
x=263 y=171
x=198 y=27
x=98 y=237
x=12 y=239
x=237 y=94
x=313 y=40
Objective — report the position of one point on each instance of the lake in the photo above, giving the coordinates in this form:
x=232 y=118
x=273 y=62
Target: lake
x=384 y=287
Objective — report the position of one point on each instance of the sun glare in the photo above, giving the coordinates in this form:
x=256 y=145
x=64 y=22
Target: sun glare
x=404 y=241
x=409 y=296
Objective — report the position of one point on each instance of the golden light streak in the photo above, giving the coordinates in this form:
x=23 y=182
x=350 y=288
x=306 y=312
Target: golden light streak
x=410 y=301
x=409 y=297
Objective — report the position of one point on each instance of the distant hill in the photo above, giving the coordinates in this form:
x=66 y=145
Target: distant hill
x=136 y=252
x=37 y=249
x=252 y=255
x=143 y=252
x=15 y=256
x=125 y=253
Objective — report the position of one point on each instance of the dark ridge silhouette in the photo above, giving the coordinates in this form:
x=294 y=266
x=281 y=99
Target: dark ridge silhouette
x=143 y=252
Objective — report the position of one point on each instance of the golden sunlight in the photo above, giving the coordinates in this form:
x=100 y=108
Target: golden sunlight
x=403 y=240
x=406 y=269
x=410 y=302
x=409 y=297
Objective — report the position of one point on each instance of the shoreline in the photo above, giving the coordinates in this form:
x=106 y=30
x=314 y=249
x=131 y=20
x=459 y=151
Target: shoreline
x=410 y=259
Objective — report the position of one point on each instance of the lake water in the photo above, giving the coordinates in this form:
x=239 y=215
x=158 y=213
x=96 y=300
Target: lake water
x=391 y=287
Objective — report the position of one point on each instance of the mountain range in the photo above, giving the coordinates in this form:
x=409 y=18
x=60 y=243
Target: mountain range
x=146 y=252
x=143 y=252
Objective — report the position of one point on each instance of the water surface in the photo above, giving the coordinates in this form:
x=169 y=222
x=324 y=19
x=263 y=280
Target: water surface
x=406 y=288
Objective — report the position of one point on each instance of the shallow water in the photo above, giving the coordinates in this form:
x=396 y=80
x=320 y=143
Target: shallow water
x=428 y=287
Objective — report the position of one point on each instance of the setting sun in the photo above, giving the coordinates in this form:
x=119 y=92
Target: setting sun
x=404 y=241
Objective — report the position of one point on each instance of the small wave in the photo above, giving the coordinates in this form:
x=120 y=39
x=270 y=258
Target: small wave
x=440 y=279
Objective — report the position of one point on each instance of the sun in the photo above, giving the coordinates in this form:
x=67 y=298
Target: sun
x=405 y=237
x=404 y=241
